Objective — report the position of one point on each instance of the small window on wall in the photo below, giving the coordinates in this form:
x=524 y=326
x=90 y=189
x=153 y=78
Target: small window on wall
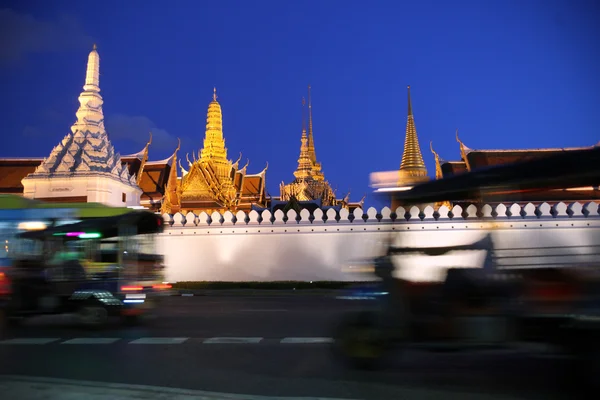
x=124 y=198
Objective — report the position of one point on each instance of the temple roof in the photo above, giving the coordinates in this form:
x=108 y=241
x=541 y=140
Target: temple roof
x=86 y=150
x=252 y=185
x=450 y=168
x=166 y=161
x=154 y=180
x=484 y=158
x=12 y=172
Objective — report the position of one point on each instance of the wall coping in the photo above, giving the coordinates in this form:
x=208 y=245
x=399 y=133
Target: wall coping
x=500 y=212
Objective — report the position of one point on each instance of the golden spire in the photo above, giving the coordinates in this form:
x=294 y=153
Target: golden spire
x=438 y=166
x=304 y=162
x=214 y=144
x=412 y=160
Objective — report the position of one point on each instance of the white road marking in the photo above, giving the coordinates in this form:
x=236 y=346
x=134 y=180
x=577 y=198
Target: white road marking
x=263 y=310
x=187 y=294
x=164 y=340
x=306 y=340
x=233 y=340
x=91 y=341
x=159 y=340
x=30 y=341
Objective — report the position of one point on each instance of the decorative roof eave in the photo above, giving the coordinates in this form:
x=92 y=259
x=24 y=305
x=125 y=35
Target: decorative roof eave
x=244 y=168
x=166 y=161
x=453 y=162
x=139 y=155
x=236 y=164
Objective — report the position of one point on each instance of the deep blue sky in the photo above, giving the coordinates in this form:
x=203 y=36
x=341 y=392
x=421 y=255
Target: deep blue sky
x=507 y=74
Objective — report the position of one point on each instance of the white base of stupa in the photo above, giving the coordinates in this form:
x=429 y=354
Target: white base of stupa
x=92 y=189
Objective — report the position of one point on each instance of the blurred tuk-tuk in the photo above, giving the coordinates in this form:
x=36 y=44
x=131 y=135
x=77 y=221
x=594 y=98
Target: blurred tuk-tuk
x=95 y=268
x=479 y=307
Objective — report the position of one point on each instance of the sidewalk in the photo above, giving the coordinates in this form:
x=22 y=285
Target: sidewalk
x=34 y=388
x=256 y=292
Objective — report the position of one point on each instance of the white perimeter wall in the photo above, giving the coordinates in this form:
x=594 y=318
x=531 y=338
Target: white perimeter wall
x=244 y=248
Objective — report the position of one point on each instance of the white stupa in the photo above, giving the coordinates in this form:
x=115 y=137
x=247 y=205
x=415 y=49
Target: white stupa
x=84 y=167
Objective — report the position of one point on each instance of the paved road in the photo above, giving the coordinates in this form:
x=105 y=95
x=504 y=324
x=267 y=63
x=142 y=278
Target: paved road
x=275 y=346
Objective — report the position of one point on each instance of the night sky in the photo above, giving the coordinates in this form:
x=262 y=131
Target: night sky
x=507 y=74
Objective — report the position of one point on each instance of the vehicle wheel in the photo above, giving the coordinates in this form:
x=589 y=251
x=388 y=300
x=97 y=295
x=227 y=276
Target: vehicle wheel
x=360 y=342
x=93 y=315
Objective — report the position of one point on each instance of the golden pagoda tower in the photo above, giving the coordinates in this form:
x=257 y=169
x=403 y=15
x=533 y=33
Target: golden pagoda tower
x=412 y=167
x=310 y=183
x=214 y=183
x=305 y=163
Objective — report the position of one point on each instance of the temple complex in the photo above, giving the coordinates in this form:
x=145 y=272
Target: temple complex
x=471 y=159
x=84 y=166
x=212 y=182
x=309 y=189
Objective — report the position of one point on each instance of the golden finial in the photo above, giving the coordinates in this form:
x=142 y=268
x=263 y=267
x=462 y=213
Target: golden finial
x=431 y=148
x=214 y=94
x=95 y=47
x=457 y=139
x=178 y=145
x=150 y=140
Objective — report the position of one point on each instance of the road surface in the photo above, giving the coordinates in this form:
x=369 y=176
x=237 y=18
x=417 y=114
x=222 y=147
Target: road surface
x=272 y=345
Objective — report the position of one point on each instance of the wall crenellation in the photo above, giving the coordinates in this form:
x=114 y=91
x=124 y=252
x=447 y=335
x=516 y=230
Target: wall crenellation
x=386 y=215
